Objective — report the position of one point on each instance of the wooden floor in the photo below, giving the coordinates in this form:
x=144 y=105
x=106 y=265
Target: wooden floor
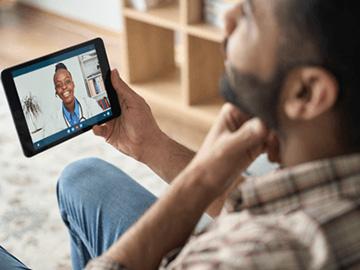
x=27 y=33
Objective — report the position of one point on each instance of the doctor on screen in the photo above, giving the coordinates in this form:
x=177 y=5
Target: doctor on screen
x=72 y=110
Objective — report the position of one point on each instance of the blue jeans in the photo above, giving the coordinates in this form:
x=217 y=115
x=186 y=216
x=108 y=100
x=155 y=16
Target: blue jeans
x=8 y=261
x=98 y=203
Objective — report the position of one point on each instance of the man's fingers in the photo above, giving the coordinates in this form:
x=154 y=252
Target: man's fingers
x=252 y=134
x=231 y=118
x=100 y=130
x=118 y=83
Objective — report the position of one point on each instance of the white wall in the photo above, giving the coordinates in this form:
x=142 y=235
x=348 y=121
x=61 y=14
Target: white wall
x=104 y=13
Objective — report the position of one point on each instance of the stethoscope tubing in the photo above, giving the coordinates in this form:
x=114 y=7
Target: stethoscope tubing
x=82 y=118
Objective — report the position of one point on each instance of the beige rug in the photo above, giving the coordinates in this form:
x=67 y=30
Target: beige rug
x=30 y=225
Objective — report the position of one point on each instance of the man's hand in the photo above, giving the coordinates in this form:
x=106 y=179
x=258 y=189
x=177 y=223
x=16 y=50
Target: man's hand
x=136 y=129
x=136 y=134
x=232 y=144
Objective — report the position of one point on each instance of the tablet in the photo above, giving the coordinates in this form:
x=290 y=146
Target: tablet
x=61 y=95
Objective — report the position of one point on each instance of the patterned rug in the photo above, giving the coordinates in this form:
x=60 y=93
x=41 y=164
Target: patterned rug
x=30 y=225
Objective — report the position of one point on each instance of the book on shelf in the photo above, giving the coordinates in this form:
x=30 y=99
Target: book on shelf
x=95 y=86
x=214 y=11
x=104 y=103
x=144 y=5
x=91 y=88
x=99 y=84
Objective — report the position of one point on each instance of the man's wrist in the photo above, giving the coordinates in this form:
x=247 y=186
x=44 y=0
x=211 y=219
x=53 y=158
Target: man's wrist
x=199 y=178
x=166 y=157
x=154 y=148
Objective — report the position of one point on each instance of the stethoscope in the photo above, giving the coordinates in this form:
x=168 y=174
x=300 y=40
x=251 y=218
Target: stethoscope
x=82 y=118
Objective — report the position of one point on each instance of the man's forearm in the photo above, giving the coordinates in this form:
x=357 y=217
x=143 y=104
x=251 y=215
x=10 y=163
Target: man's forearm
x=167 y=158
x=167 y=225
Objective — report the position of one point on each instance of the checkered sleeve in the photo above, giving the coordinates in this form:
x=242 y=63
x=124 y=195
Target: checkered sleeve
x=103 y=263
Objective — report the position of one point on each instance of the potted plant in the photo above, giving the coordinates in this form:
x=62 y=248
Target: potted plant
x=32 y=111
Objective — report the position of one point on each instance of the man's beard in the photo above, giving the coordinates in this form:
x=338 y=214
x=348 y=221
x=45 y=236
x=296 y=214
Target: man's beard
x=252 y=96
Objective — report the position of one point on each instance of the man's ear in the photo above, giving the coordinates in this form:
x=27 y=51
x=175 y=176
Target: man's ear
x=313 y=92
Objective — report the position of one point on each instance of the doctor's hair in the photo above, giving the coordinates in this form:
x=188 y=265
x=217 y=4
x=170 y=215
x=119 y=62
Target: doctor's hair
x=60 y=66
x=322 y=32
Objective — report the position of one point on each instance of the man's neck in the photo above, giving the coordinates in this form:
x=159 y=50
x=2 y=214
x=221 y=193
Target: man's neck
x=296 y=150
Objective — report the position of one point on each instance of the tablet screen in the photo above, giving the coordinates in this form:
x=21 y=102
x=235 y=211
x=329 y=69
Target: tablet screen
x=62 y=95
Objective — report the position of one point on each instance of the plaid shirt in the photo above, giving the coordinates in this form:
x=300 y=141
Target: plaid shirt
x=306 y=217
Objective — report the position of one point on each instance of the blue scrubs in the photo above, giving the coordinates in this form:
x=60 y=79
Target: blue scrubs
x=72 y=118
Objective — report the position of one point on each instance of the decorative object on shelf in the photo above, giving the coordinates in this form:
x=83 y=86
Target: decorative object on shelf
x=214 y=11
x=144 y=5
x=32 y=112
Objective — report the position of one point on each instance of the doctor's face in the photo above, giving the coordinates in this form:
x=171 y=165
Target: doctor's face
x=64 y=86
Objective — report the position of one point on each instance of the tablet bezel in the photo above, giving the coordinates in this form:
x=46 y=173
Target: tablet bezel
x=15 y=103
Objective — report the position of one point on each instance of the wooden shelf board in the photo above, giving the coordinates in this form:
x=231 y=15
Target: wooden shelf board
x=164 y=93
x=166 y=17
x=208 y=110
x=161 y=89
x=206 y=31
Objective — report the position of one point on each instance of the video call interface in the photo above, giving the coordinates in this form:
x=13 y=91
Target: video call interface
x=62 y=95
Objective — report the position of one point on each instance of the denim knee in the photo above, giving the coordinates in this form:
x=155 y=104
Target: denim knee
x=89 y=174
x=75 y=174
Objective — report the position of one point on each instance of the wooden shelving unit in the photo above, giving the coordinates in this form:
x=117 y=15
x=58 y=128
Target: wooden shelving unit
x=174 y=60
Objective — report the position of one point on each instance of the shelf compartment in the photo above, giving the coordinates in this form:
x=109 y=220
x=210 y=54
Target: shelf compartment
x=208 y=111
x=164 y=89
x=167 y=16
x=203 y=70
x=164 y=93
x=192 y=14
x=148 y=52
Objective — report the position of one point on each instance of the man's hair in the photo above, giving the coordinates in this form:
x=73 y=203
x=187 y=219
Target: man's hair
x=60 y=66
x=324 y=33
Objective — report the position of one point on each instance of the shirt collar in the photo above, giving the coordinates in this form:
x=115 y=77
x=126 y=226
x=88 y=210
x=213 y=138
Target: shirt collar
x=283 y=188
x=76 y=110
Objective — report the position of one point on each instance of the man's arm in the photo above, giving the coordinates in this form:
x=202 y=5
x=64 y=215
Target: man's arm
x=137 y=134
x=166 y=157
x=225 y=153
x=172 y=219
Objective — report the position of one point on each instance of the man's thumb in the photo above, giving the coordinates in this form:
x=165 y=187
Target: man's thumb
x=253 y=133
x=119 y=85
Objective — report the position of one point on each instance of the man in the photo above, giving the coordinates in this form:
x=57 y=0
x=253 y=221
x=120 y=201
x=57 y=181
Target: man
x=294 y=65
x=72 y=111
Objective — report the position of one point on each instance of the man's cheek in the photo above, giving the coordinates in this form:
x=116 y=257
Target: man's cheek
x=243 y=62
